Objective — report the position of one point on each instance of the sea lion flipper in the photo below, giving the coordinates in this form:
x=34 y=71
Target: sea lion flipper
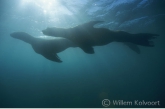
x=133 y=47
x=57 y=59
x=88 y=49
x=52 y=57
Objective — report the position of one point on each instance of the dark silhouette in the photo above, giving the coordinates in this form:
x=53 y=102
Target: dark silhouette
x=86 y=36
x=47 y=47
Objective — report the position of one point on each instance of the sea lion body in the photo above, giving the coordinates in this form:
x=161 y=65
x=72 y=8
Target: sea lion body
x=47 y=47
x=86 y=36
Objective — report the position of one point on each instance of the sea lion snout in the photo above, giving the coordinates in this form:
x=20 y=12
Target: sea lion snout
x=17 y=34
x=45 y=32
x=13 y=35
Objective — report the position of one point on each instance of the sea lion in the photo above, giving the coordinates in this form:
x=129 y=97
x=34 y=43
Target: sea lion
x=86 y=36
x=47 y=47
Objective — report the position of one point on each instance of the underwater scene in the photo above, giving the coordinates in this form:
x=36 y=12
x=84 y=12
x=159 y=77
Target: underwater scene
x=82 y=53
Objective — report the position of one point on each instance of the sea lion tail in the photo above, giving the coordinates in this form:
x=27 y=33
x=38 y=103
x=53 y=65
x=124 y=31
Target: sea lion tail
x=144 y=39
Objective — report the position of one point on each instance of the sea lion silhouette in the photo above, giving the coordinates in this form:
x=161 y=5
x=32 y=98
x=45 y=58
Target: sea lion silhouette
x=86 y=36
x=47 y=47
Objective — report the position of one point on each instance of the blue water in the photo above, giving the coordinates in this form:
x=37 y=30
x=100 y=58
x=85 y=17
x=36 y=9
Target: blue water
x=114 y=72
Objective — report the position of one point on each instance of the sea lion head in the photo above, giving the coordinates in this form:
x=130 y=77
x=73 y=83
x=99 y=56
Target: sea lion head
x=22 y=36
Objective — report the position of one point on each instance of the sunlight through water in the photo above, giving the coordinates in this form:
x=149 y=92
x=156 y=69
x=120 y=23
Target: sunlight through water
x=50 y=7
x=45 y=12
